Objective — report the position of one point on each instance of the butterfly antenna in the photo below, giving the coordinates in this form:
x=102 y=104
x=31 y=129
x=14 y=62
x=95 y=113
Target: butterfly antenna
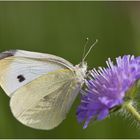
x=87 y=40
x=85 y=55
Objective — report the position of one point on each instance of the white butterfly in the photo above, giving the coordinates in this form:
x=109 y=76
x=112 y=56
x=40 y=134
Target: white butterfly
x=41 y=87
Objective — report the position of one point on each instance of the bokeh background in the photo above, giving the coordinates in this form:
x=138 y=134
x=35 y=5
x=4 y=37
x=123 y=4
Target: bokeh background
x=61 y=28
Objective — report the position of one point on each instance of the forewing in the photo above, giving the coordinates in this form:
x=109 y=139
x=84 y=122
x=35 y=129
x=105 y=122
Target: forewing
x=17 y=68
x=36 y=55
x=44 y=102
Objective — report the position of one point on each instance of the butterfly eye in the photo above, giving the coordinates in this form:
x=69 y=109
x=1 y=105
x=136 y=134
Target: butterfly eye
x=21 y=78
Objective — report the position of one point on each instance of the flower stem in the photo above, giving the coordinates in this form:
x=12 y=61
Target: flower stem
x=132 y=110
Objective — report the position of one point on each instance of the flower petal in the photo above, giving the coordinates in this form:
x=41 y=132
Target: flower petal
x=106 y=88
x=103 y=114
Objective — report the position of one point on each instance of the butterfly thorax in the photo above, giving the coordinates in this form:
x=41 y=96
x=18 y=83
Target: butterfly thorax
x=81 y=70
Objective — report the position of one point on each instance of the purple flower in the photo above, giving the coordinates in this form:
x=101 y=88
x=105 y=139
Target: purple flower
x=106 y=88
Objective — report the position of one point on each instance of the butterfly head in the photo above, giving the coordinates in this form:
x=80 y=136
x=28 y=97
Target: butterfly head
x=83 y=67
x=81 y=70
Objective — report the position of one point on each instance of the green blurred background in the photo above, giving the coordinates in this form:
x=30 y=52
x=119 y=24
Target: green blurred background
x=61 y=28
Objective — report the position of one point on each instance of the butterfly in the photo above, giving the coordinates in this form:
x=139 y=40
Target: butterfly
x=41 y=87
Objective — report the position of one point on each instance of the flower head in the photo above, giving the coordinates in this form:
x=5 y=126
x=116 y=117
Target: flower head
x=107 y=87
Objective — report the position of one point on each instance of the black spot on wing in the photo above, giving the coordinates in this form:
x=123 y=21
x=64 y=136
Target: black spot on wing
x=7 y=54
x=20 y=78
x=4 y=55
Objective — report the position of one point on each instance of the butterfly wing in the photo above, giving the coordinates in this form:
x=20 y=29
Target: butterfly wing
x=36 y=55
x=44 y=102
x=17 y=68
x=42 y=87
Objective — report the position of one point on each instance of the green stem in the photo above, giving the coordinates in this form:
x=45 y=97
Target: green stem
x=130 y=108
